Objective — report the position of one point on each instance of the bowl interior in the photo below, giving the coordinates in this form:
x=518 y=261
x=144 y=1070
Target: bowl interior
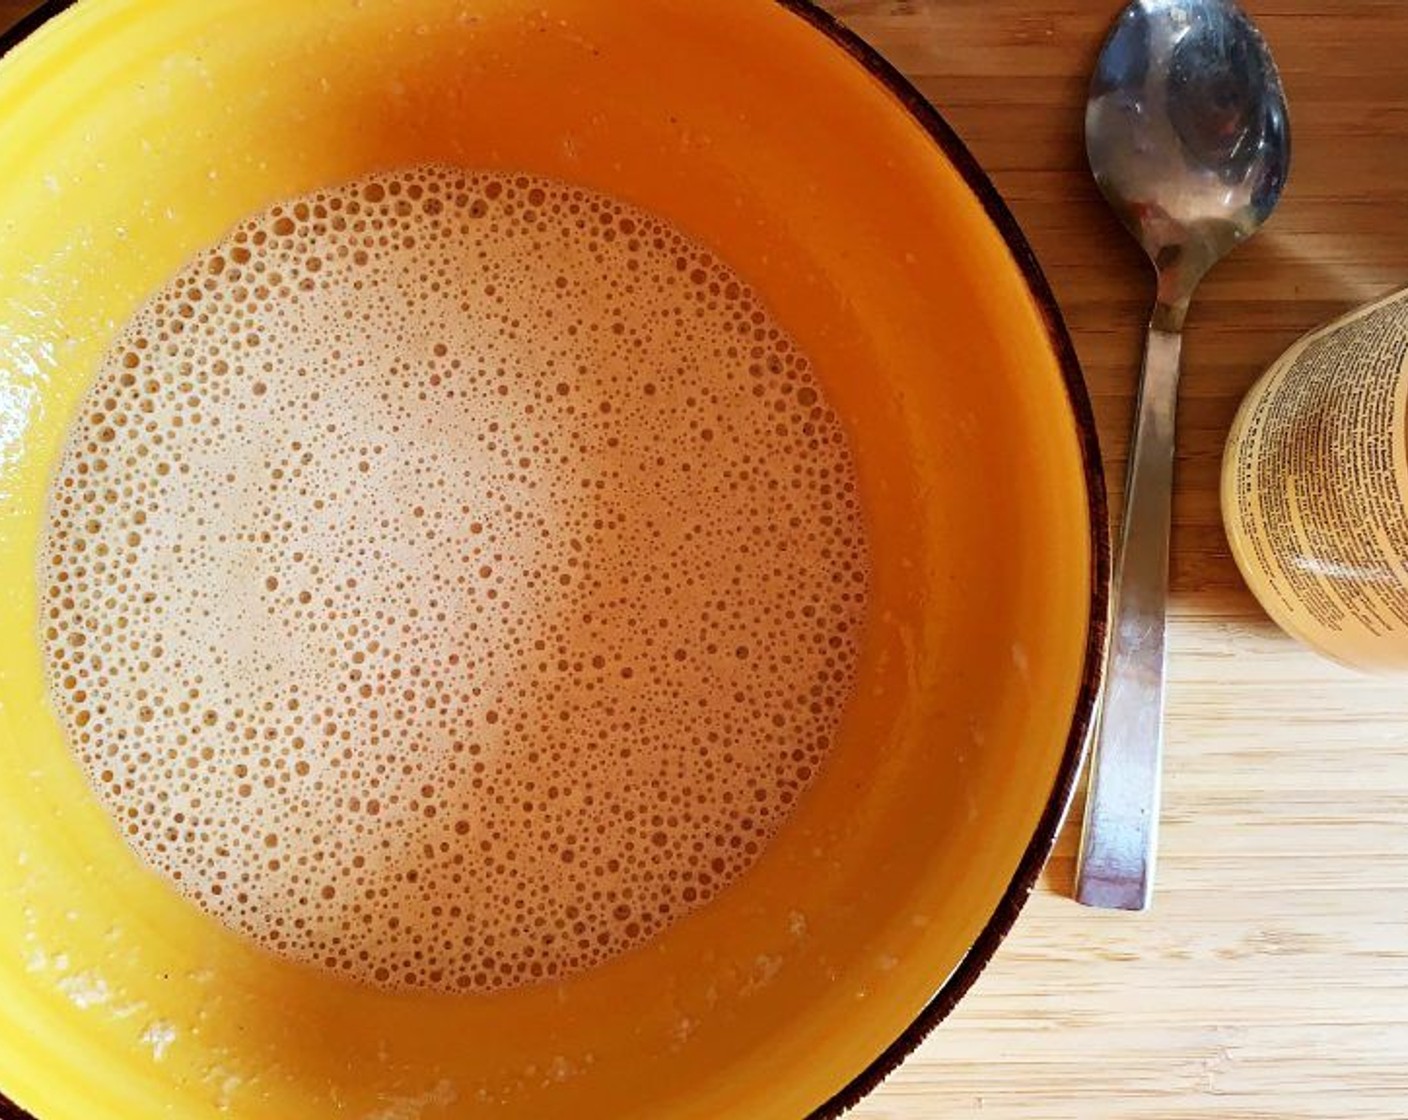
x=136 y=131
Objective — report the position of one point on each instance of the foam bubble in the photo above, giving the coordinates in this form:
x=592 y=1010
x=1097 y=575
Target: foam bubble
x=453 y=579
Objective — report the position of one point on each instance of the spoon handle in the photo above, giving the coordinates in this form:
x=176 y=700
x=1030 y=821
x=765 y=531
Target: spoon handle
x=1116 y=869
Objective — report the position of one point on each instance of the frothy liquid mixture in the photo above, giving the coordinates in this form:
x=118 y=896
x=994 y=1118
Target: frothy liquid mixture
x=451 y=580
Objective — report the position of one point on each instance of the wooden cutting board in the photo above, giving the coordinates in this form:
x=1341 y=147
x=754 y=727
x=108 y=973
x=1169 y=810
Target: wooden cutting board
x=1271 y=980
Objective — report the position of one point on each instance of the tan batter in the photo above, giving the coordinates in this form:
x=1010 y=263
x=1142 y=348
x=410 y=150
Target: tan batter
x=453 y=579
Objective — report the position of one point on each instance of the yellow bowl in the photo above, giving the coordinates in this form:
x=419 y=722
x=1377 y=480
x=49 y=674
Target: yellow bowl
x=134 y=132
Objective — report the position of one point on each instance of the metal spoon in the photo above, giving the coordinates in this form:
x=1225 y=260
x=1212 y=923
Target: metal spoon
x=1187 y=136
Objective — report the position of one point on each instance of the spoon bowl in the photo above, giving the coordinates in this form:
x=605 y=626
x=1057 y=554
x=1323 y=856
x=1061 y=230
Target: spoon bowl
x=1186 y=133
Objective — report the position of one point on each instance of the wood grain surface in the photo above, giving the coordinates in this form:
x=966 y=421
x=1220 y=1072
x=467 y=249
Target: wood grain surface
x=1271 y=980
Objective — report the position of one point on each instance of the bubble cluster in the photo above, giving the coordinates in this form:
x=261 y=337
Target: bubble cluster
x=452 y=579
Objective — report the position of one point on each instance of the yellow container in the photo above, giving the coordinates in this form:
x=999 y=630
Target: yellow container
x=1315 y=488
x=134 y=132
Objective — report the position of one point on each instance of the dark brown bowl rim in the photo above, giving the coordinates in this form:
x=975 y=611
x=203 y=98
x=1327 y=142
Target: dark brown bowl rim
x=956 y=985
